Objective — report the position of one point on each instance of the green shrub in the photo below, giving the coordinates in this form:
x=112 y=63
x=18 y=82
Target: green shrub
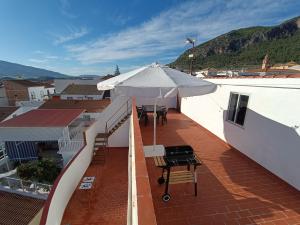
x=45 y=170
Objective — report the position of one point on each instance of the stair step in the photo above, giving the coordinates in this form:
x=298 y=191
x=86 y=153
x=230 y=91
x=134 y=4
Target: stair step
x=100 y=139
x=99 y=143
x=102 y=135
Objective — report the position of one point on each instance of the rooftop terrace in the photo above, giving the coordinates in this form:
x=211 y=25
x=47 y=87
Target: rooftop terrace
x=232 y=189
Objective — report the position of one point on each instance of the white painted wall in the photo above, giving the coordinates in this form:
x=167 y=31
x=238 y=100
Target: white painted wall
x=70 y=179
x=271 y=133
x=82 y=97
x=30 y=133
x=50 y=89
x=39 y=93
x=120 y=137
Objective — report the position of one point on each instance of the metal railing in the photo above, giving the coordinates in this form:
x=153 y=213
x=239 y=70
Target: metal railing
x=70 y=145
x=120 y=113
x=2 y=150
x=76 y=132
x=24 y=186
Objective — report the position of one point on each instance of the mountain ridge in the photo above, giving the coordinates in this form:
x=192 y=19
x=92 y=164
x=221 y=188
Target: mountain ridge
x=247 y=47
x=15 y=70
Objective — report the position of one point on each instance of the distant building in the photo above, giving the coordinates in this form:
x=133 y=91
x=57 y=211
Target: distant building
x=29 y=134
x=266 y=63
x=284 y=66
x=26 y=90
x=61 y=84
x=3 y=97
x=81 y=92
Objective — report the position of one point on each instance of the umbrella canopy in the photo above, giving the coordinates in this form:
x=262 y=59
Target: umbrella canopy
x=157 y=81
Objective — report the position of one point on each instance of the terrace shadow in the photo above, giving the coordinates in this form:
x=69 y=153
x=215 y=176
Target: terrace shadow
x=279 y=197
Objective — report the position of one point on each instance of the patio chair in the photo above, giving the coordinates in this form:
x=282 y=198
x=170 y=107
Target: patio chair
x=163 y=114
x=142 y=114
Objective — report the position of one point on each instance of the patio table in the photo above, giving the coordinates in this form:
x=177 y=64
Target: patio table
x=150 y=108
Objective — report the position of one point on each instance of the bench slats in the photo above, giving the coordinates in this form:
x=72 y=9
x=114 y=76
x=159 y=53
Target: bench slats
x=180 y=177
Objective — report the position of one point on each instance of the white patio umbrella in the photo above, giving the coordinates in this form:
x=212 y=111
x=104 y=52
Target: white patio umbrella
x=158 y=82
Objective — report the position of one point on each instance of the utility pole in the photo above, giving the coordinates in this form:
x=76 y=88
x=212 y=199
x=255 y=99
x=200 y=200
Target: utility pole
x=191 y=56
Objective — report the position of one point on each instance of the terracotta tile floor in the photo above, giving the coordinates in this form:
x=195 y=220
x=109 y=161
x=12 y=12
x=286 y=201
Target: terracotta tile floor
x=108 y=201
x=232 y=189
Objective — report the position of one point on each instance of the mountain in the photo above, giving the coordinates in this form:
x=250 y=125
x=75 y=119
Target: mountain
x=14 y=70
x=247 y=47
x=90 y=76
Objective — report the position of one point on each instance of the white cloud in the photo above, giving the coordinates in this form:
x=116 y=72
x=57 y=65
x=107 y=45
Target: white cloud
x=38 y=52
x=65 y=9
x=71 y=34
x=38 y=61
x=166 y=32
x=51 y=57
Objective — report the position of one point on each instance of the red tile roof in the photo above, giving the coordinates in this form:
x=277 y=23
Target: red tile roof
x=44 y=118
x=88 y=105
x=81 y=89
x=6 y=111
x=17 y=209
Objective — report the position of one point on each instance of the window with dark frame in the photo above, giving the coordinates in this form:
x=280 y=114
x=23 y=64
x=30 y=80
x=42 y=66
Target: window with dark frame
x=237 y=108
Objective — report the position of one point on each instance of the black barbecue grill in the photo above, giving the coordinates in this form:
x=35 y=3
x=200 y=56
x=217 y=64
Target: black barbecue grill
x=177 y=156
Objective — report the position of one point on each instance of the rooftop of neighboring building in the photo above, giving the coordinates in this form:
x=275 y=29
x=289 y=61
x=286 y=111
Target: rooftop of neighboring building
x=28 y=83
x=274 y=71
x=44 y=118
x=16 y=209
x=81 y=89
x=6 y=111
x=256 y=76
x=90 y=106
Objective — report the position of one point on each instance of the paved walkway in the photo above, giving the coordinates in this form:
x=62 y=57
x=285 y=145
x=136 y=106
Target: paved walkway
x=232 y=189
x=108 y=201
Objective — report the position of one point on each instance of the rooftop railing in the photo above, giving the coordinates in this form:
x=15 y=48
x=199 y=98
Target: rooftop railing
x=25 y=187
x=140 y=203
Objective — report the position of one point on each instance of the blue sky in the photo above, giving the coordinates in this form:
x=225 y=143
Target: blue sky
x=90 y=37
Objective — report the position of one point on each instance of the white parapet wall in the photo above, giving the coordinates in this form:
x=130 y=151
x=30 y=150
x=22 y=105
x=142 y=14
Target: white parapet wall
x=271 y=132
x=70 y=177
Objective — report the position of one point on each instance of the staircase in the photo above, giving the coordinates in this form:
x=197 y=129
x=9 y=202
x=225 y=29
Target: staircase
x=112 y=125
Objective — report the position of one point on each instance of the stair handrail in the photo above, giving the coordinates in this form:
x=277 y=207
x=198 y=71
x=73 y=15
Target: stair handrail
x=126 y=111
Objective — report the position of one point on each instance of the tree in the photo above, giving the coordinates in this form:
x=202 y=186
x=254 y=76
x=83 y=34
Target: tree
x=117 y=71
x=45 y=170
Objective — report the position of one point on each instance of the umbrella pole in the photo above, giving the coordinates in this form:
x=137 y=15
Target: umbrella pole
x=154 y=129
